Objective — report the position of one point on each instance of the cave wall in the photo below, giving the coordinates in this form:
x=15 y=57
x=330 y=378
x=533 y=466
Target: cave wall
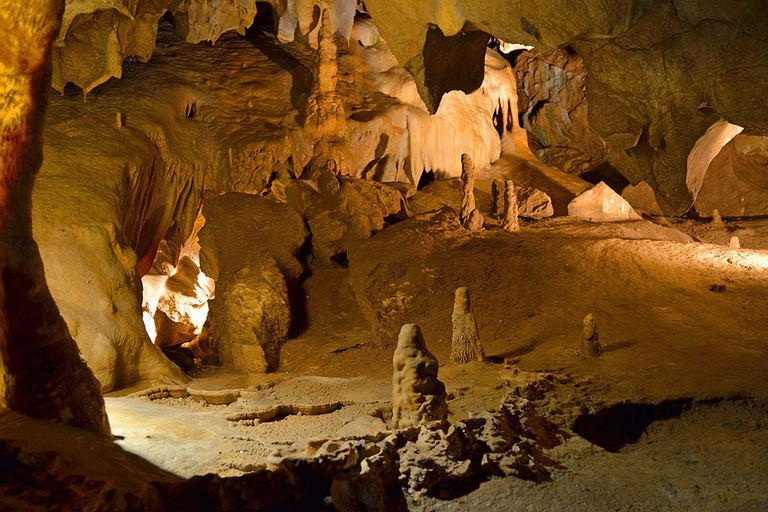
x=660 y=72
x=41 y=372
x=554 y=110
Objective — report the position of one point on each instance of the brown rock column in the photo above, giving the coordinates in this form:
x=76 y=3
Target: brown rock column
x=42 y=374
x=511 y=221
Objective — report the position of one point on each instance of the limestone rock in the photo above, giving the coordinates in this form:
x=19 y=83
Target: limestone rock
x=735 y=181
x=356 y=211
x=651 y=124
x=642 y=199
x=418 y=396
x=250 y=247
x=253 y=315
x=469 y=215
x=465 y=341
x=601 y=204
x=553 y=110
x=497 y=198
x=475 y=221
x=439 y=457
x=590 y=342
x=533 y=203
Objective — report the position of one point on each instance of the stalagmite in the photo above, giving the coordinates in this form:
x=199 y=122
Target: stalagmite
x=497 y=193
x=418 y=396
x=470 y=216
x=734 y=243
x=590 y=344
x=716 y=218
x=511 y=220
x=465 y=343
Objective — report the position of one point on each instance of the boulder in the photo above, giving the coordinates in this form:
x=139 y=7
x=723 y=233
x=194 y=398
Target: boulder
x=532 y=203
x=601 y=204
x=642 y=198
x=252 y=315
x=250 y=247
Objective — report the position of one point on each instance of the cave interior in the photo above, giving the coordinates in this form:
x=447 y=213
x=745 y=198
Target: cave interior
x=383 y=255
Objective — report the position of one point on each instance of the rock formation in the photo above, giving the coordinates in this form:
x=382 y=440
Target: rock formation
x=590 y=343
x=601 y=204
x=469 y=215
x=41 y=372
x=511 y=221
x=465 y=340
x=497 y=199
x=534 y=204
x=554 y=110
x=250 y=247
x=651 y=127
x=325 y=117
x=735 y=182
x=642 y=199
x=418 y=396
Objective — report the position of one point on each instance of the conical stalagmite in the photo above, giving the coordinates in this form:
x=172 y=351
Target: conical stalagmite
x=590 y=344
x=465 y=344
x=418 y=396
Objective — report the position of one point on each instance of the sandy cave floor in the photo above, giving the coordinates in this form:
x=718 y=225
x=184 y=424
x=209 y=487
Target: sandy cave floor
x=665 y=333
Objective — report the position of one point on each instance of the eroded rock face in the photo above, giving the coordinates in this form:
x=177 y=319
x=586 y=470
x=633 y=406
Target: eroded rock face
x=736 y=180
x=43 y=375
x=418 y=396
x=533 y=203
x=590 y=339
x=554 y=110
x=650 y=113
x=96 y=37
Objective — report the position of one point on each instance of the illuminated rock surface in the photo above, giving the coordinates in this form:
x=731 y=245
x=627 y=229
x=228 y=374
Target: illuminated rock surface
x=601 y=204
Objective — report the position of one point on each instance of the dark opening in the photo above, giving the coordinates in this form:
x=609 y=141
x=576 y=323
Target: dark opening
x=607 y=173
x=190 y=110
x=427 y=177
x=340 y=260
x=623 y=424
x=265 y=18
x=498 y=121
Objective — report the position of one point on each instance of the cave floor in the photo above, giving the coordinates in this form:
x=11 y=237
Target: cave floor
x=680 y=324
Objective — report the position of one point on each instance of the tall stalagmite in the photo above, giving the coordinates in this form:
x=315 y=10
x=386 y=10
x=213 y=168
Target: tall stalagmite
x=43 y=375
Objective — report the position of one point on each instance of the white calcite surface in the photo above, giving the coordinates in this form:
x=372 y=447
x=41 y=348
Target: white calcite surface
x=602 y=204
x=463 y=124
